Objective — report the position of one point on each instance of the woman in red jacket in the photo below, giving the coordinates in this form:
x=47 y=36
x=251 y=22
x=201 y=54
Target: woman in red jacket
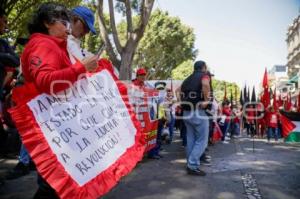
x=45 y=61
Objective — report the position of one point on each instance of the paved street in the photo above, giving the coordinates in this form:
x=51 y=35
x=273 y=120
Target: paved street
x=271 y=172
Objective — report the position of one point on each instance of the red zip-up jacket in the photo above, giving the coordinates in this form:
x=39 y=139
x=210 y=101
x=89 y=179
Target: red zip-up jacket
x=45 y=60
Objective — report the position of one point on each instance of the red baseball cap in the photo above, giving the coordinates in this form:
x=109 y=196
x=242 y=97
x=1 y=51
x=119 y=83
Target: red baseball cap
x=141 y=71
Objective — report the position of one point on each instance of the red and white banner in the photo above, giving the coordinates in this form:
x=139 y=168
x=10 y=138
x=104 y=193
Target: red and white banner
x=82 y=139
x=141 y=100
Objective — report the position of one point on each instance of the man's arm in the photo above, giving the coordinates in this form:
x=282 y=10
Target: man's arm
x=9 y=60
x=205 y=91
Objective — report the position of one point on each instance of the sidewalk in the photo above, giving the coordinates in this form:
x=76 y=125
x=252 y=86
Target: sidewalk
x=271 y=172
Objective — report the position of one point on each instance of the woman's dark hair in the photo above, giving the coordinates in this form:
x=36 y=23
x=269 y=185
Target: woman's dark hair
x=2 y=12
x=47 y=13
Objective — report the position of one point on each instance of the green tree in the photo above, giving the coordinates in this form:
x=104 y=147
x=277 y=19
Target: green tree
x=93 y=42
x=19 y=12
x=183 y=70
x=231 y=87
x=122 y=55
x=186 y=68
x=166 y=44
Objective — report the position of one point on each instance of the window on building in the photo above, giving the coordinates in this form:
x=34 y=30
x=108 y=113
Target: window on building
x=280 y=68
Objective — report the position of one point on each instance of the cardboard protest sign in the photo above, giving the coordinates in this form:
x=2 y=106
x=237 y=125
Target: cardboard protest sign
x=82 y=139
x=140 y=98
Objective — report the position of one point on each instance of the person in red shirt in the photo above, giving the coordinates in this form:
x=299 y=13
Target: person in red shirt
x=250 y=119
x=273 y=118
x=236 y=121
x=140 y=77
x=45 y=60
x=225 y=125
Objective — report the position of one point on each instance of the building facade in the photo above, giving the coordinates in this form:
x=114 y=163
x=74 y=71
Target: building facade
x=293 y=44
x=278 y=77
x=293 y=58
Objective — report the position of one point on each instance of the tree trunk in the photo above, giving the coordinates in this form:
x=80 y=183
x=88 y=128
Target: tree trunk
x=134 y=36
x=125 y=68
x=126 y=61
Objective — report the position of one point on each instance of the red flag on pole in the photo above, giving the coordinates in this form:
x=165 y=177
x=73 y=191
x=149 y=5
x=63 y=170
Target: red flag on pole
x=265 y=80
x=287 y=126
x=266 y=97
x=288 y=105
x=280 y=102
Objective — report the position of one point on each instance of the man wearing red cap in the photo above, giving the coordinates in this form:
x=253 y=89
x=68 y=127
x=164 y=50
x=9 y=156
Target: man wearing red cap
x=140 y=77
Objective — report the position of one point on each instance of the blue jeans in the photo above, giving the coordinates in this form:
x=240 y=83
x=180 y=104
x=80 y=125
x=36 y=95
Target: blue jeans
x=24 y=155
x=225 y=129
x=197 y=130
x=236 y=129
x=272 y=130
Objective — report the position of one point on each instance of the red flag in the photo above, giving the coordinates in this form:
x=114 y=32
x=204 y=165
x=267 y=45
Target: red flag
x=288 y=104
x=266 y=97
x=287 y=126
x=217 y=134
x=280 y=102
x=265 y=80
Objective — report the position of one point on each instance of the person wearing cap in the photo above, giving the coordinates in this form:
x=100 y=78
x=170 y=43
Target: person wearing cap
x=82 y=22
x=195 y=95
x=140 y=77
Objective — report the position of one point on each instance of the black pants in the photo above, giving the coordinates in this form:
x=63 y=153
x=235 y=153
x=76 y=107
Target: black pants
x=45 y=191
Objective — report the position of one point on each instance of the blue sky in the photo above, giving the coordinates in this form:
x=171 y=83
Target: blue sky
x=237 y=38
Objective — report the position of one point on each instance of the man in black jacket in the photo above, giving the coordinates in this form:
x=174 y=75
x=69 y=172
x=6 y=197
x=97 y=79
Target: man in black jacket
x=8 y=58
x=195 y=98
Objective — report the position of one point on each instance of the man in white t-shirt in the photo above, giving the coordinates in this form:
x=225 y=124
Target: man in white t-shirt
x=82 y=23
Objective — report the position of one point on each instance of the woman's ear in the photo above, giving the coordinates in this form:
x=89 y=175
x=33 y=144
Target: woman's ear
x=46 y=25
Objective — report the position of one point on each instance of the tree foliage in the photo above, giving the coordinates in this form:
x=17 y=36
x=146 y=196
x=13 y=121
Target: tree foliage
x=231 y=87
x=19 y=12
x=183 y=70
x=122 y=55
x=167 y=42
x=186 y=68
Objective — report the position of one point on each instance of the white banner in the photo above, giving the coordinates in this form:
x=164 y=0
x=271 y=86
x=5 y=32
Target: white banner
x=87 y=126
